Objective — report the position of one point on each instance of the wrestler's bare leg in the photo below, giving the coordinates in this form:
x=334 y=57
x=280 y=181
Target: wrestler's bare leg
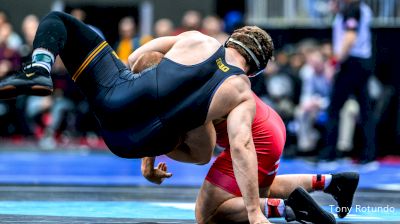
x=197 y=147
x=283 y=185
x=214 y=205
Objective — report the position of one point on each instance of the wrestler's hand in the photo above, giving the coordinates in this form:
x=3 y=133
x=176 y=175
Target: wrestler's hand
x=258 y=218
x=158 y=174
x=263 y=222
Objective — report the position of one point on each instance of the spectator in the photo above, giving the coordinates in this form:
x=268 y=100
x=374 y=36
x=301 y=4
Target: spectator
x=9 y=62
x=327 y=51
x=191 y=20
x=213 y=26
x=350 y=110
x=280 y=91
x=352 y=47
x=281 y=88
x=128 y=41
x=296 y=61
x=314 y=101
x=80 y=14
x=163 y=27
x=13 y=40
x=29 y=27
x=9 y=58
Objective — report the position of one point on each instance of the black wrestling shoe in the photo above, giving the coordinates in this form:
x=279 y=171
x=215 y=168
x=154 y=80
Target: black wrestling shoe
x=31 y=81
x=301 y=207
x=342 y=188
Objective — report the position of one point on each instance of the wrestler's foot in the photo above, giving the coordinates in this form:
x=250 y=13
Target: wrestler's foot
x=342 y=188
x=302 y=208
x=31 y=81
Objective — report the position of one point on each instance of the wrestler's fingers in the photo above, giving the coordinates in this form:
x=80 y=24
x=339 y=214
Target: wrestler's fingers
x=168 y=175
x=163 y=167
x=160 y=165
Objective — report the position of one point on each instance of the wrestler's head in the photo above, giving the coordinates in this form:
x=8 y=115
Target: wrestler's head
x=254 y=44
x=147 y=60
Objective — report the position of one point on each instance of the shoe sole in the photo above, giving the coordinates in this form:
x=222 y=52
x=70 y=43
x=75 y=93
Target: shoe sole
x=10 y=92
x=354 y=184
x=318 y=215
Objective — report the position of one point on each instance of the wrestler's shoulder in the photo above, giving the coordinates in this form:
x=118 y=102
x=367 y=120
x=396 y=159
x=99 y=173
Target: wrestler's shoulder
x=235 y=89
x=191 y=33
x=196 y=36
x=240 y=82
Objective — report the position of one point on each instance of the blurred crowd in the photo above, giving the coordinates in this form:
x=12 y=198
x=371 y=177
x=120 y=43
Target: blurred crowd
x=56 y=120
x=297 y=84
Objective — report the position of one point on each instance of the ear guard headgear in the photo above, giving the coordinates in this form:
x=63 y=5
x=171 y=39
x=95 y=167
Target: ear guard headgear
x=260 y=64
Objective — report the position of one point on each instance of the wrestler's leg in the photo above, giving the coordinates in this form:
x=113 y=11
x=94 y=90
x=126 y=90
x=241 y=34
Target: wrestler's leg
x=197 y=147
x=341 y=186
x=210 y=198
x=62 y=34
x=214 y=205
x=57 y=34
x=283 y=185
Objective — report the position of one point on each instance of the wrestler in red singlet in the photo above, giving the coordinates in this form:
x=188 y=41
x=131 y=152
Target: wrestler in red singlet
x=269 y=135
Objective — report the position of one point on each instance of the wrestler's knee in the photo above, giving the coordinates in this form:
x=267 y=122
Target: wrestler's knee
x=203 y=214
x=200 y=219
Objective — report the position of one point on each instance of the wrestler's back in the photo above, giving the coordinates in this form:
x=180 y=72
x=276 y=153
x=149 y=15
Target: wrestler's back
x=201 y=47
x=196 y=44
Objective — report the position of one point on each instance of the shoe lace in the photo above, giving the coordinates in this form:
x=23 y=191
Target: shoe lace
x=26 y=66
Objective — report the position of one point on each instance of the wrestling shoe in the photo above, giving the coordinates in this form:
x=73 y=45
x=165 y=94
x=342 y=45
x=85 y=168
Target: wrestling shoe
x=31 y=81
x=301 y=207
x=342 y=188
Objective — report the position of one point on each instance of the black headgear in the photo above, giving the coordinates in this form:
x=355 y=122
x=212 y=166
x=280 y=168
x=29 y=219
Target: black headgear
x=260 y=64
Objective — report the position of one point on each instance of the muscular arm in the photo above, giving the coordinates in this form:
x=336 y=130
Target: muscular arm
x=162 y=45
x=154 y=174
x=243 y=153
x=234 y=101
x=147 y=165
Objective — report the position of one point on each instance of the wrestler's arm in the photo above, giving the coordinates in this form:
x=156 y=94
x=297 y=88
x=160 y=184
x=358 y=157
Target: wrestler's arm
x=161 y=44
x=147 y=165
x=154 y=174
x=244 y=158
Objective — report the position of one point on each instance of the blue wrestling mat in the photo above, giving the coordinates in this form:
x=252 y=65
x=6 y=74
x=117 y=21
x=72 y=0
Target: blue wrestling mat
x=104 y=168
x=98 y=187
x=158 y=211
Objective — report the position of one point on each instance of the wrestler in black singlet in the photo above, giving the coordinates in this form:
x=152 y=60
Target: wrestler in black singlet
x=144 y=114
x=140 y=114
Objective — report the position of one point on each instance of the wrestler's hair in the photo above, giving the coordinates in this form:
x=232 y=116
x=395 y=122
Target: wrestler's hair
x=253 y=38
x=146 y=60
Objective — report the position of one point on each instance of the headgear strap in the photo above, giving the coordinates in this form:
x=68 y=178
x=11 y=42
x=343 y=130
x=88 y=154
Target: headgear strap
x=258 y=44
x=252 y=55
